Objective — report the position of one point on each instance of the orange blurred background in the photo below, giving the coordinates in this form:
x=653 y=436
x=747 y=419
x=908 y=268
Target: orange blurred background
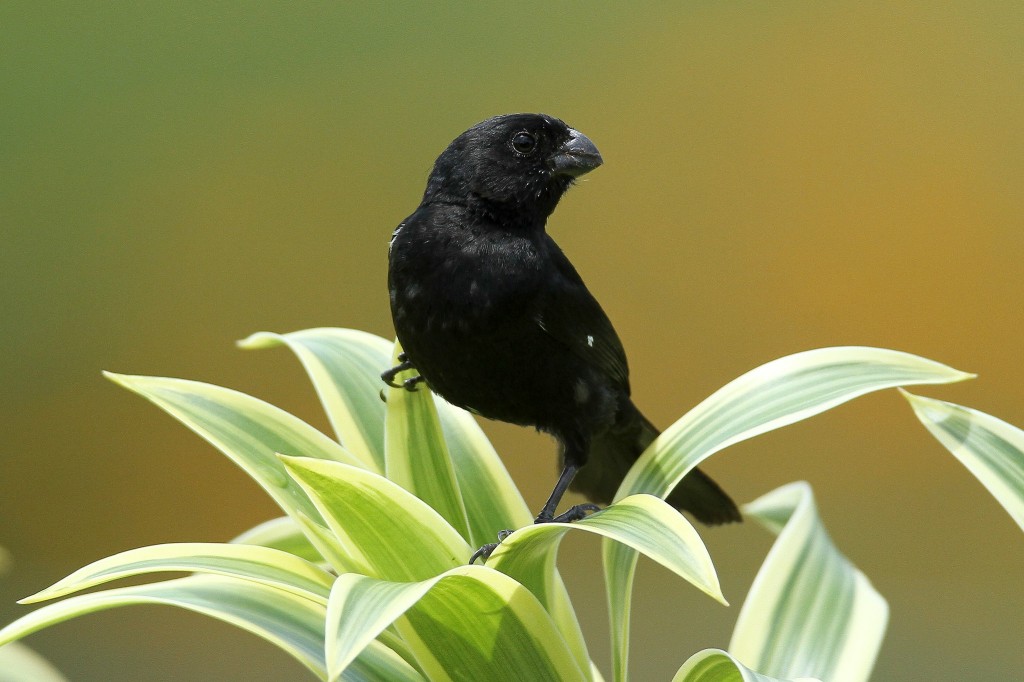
x=777 y=177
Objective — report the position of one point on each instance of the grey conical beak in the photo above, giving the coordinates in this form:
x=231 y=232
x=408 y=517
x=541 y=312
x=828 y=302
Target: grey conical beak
x=576 y=156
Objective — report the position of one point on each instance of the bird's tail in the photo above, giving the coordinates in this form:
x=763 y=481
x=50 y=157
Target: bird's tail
x=614 y=452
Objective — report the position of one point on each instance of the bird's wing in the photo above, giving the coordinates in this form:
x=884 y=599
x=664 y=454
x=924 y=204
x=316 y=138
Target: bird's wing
x=570 y=314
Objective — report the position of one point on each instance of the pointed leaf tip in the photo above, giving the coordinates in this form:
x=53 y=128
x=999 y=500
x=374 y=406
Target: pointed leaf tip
x=259 y=340
x=119 y=379
x=990 y=448
x=926 y=409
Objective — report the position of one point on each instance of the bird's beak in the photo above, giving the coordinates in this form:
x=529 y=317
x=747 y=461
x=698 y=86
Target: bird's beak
x=576 y=156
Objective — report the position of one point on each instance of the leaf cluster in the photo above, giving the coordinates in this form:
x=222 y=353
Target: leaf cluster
x=365 y=576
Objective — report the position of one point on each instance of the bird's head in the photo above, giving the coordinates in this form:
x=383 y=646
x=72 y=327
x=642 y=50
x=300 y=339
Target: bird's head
x=522 y=162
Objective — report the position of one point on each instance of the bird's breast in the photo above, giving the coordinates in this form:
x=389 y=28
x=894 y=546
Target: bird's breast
x=473 y=282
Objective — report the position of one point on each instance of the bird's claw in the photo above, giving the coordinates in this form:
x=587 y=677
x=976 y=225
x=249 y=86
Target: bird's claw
x=403 y=364
x=574 y=513
x=410 y=384
x=389 y=375
x=484 y=553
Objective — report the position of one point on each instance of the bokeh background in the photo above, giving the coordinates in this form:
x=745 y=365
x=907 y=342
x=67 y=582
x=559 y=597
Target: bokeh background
x=778 y=177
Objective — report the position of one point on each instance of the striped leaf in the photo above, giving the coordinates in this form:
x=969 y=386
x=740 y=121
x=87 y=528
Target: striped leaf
x=281 y=533
x=345 y=367
x=491 y=498
x=715 y=665
x=990 y=448
x=809 y=612
x=270 y=567
x=293 y=623
x=251 y=433
x=470 y=622
x=383 y=530
x=642 y=522
x=778 y=393
x=416 y=454
x=391 y=534
x=774 y=395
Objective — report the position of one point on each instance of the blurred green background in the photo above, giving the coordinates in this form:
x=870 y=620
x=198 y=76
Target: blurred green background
x=778 y=177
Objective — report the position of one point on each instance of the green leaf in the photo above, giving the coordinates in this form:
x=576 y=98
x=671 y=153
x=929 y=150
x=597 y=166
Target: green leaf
x=990 y=448
x=271 y=567
x=715 y=665
x=281 y=533
x=642 y=522
x=416 y=454
x=393 y=535
x=18 y=663
x=345 y=367
x=471 y=622
x=383 y=530
x=288 y=621
x=778 y=393
x=250 y=432
x=809 y=612
x=491 y=498
x=774 y=395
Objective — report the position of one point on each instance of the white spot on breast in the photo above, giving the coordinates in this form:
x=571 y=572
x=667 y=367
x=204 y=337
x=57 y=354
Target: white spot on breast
x=590 y=341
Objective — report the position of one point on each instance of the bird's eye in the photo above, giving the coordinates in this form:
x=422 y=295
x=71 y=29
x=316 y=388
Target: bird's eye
x=524 y=143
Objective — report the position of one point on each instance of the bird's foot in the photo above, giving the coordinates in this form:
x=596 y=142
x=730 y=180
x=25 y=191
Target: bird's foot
x=403 y=364
x=574 y=513
x=410 y=384
x=484 y=553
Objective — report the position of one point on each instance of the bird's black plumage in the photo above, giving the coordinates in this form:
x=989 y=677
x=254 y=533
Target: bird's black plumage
x=495 y=318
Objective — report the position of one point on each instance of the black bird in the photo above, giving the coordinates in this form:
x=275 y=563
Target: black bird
x=496 y=320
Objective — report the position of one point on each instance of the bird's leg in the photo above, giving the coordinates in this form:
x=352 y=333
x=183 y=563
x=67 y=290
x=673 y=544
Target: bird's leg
x=404 y=363
x=574 y=513
x=547 y=514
